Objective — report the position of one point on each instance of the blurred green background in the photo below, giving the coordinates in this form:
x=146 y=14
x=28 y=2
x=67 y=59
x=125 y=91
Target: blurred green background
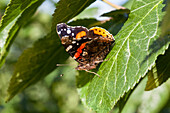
x=56 y=94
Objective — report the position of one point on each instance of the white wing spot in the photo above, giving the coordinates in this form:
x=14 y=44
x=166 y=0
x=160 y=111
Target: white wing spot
x=72 y=34
x=68 y=31
x=59 y=32
x=65 y=36
x=73 y=42
x=78 y=39
x=69 y=47
x=84 y=53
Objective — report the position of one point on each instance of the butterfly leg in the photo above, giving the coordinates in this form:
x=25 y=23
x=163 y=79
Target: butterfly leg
x=99 y=61
x=92 y=72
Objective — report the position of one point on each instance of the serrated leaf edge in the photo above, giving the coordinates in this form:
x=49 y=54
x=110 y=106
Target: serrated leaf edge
x=126 y=39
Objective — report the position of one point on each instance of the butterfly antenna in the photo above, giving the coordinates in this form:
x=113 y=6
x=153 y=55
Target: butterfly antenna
x=63 y=65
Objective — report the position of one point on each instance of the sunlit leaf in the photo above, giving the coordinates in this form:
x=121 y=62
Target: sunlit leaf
x=13 y=10
x=136 y=50
x=16 y=15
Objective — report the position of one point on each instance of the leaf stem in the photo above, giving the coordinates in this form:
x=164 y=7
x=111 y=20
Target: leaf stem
x=113 y=5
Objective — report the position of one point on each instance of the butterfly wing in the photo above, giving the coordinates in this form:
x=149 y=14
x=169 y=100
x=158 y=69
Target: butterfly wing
x=73 y=39
x=99 y=46
x=96 y=49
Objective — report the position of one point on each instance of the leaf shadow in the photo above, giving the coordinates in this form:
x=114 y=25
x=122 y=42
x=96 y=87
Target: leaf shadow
x=156 y=46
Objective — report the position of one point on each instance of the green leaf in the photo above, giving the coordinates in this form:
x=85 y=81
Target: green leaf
x=13 y=10
x=135 y=99
x=160 y=72
x=36 y=62
x=119 y=17
x=83 y=92
x=67 y=9
x=13 y=31
x=136 y=49
x=122 y=101
x=165 y=27
x=87 y=13
x=116 y=13
x=9 y=32
x=83 y=78
x=85 y=22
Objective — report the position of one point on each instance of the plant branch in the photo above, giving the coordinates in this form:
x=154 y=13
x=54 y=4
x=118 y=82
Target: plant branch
x=113 y=5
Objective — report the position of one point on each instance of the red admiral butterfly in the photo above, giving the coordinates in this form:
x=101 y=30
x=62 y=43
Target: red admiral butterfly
x=87 y=47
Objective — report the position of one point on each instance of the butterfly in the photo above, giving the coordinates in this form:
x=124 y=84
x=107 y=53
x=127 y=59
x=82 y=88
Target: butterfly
x=87 y=47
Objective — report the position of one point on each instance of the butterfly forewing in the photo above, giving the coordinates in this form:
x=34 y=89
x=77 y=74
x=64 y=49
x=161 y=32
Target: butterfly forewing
x=72 y=37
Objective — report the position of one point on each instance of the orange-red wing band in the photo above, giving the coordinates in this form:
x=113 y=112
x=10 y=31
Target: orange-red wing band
x=79 y=50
